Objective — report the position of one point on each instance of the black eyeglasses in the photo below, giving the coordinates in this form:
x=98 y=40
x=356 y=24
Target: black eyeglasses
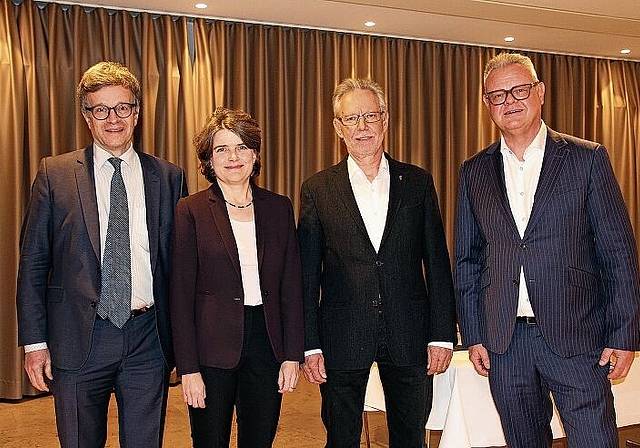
x=521 y=92
x=102 y=112
x=352 y=120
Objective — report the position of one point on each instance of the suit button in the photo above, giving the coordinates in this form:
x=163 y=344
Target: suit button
x=515 y=281
x=266 y=293
x=523 y=246
x=379 y=263
x=375 y=303
x=93 y=303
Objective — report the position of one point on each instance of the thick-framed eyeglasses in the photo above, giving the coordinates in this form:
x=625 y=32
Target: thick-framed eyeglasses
x=521 y=92
x=224 y=150
x=102 y=112
x=368 y=117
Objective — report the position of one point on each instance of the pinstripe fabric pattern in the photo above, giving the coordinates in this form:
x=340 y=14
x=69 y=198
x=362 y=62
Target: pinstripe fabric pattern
x=581 y=267
x=521 y=380
x=578 y=252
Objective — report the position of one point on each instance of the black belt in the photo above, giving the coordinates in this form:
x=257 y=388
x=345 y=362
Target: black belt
x=529 y=320
x=144 y=309
x=134 y=313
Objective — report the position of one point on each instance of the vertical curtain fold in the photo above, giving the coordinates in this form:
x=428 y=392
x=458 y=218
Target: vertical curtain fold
x=284 y=77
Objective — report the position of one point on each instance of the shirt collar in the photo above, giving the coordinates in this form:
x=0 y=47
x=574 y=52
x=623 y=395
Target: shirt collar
x=537 y=144
x=101 y=155
x=355 y=170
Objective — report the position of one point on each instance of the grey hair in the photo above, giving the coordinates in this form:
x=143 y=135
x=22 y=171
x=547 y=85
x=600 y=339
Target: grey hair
x=350 y=84
x=506 y=59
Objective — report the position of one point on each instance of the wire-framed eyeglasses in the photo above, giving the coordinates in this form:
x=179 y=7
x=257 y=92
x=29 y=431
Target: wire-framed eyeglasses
x=368 y=117
x=520 y=92
x=102 y=112
x=224 y=150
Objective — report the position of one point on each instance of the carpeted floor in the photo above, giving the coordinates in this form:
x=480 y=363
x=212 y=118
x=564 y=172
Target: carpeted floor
x=31 y=423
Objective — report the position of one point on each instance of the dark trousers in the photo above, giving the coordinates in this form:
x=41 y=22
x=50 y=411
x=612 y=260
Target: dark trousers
x=407 y=394
x=252 y=387
x=129 y=361
x=522 y=380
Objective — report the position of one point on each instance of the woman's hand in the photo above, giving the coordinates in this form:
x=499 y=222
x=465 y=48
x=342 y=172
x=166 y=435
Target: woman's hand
x=193 y=390
x=288 y=376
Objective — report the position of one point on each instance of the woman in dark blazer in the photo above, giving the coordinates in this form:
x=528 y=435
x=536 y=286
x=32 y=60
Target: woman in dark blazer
x=236 y=294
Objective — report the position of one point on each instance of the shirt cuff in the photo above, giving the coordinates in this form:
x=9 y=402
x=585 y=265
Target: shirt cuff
x=448 y=345
x=315 y=351
x=33 y=347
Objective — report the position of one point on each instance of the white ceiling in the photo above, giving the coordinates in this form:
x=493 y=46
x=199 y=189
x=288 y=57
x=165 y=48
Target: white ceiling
x=599 y=28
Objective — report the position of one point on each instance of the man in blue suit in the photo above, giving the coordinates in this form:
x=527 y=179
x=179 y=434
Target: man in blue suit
x=92 y=294
x=546 y=269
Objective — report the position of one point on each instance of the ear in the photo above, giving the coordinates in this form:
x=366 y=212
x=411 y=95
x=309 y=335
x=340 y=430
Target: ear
x=541 y=91
x=486 y=101
x=338 y=127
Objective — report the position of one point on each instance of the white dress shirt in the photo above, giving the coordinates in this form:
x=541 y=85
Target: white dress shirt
x=521 y=179
x=141 y=277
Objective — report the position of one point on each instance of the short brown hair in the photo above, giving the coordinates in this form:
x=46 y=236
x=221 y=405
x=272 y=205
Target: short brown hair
x=107 y=73
x=237 y=121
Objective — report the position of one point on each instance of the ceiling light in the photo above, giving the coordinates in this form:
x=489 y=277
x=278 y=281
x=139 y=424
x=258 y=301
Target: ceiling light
x=509 y=39
x=370 y=23
x=625 y=51
x=200 y=5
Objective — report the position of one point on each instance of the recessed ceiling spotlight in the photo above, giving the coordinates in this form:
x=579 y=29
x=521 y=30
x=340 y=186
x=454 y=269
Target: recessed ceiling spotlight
x=370 y=23
x=625 y=51
x=200 y=5
x=509 y=39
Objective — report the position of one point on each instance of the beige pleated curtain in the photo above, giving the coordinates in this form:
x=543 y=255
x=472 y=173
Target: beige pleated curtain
x=284 y=77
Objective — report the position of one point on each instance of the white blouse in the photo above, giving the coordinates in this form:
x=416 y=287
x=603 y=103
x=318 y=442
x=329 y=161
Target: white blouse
x=245 y=235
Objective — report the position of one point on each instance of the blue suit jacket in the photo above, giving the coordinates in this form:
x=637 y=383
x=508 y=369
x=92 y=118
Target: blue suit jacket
x=59 y=272
x=578 y=252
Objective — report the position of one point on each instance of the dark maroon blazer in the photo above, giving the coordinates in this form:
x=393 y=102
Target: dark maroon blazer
x=207 y=298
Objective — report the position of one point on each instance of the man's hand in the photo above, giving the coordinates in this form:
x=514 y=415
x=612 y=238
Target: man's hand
x=479 y=357
x=313 y=368
x=38 y=365
x=288 y=376
x=438 y=359
x=620 y=360
x=193 y=390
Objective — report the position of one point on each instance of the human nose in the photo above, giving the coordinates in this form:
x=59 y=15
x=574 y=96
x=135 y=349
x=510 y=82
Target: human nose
x=233 y=153
x=112 y=117
x=361 y=124
x=509 y=98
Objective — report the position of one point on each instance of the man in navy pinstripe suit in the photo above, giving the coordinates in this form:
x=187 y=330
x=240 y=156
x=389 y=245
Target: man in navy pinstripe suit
x=546 y=269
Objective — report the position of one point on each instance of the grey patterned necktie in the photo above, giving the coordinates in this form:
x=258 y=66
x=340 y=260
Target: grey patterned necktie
x=115 y=296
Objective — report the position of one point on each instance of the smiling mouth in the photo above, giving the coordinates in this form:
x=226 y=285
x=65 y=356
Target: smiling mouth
x=513 y=111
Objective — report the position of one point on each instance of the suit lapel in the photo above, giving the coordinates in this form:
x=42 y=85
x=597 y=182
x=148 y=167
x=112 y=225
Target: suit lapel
x=152 y=200
x=223 y=224
x=344 y=193
x=397 y=181
x=85 y=182
x=554 y=156
x=497 y=187
x=260 y=215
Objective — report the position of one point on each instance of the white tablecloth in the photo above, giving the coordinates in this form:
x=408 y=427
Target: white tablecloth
x=463 y=409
